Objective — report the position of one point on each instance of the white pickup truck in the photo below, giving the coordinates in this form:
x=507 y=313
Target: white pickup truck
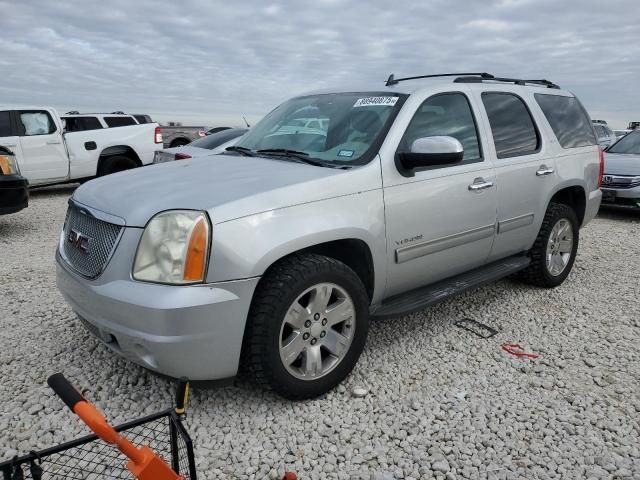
x=47 y=153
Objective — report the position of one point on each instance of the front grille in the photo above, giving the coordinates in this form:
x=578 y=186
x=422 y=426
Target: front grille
x=619 y=181
x=88 y=242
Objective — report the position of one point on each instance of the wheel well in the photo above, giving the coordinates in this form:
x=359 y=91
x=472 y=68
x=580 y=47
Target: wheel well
x=179 y=140
x=352 y=252
x=573 y=197
x=120 y=151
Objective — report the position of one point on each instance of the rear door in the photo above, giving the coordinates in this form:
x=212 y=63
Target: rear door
x=44 y=156
x=525 y=171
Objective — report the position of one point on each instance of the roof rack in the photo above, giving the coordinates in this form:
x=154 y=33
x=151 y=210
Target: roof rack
x=394 y=81
x=474 y=78
x=76 y=112
x=515 y=81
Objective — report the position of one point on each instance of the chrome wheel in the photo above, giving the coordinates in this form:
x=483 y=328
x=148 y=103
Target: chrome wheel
x=317 y=331
x=559 y=247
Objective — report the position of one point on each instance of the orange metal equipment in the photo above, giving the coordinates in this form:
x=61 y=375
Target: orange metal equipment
x=143 y=463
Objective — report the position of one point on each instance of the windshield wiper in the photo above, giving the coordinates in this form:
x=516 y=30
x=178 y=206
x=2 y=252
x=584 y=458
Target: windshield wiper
x=241 y=150
x=283 y=152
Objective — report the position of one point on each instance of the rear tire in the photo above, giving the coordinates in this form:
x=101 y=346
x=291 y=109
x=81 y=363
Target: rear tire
x=116 y=164
x=555 y=248
x=307 y=326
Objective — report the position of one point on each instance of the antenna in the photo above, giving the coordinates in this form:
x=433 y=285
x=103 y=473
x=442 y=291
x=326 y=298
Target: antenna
x=245 y=121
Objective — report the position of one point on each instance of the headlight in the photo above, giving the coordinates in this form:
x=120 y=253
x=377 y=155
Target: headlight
x=174 y=248
x=8 y=165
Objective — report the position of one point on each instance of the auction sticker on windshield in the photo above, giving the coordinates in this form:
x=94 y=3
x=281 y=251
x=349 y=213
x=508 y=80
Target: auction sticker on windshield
x=376 y=101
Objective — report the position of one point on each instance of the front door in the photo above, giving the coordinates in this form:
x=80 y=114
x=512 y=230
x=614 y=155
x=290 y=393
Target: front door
x=9 y=134
x=441 y=221
x=44 y=157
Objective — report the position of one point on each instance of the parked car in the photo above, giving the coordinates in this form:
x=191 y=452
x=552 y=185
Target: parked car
x=634 y=125
x=621 y=180
x=177 y=136
x=198 y=148
x=621 y=133
x=285 y=246
x=14 y=188
x=604 y=134
x=48 y=154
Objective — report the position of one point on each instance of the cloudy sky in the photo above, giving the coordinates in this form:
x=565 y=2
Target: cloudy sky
x=202 y=61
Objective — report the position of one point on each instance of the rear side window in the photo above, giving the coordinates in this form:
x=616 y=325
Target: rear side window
x=568 y=120
x=119 y=121
x=36 y=123
x=5 y=124
x=513 y=129
x=80 y=124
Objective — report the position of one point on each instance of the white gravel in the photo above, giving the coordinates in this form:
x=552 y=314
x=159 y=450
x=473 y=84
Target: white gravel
x=438 y=401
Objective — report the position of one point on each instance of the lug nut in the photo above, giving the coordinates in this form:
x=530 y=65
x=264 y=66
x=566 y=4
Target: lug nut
x=313 y=341
x=305 y=336
x=322 y=334
x=324 y=321
x=307 y=323
x=316 y=316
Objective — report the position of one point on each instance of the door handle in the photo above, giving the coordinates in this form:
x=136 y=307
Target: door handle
x=544 y=170
x=53 y=142
x=480 y=184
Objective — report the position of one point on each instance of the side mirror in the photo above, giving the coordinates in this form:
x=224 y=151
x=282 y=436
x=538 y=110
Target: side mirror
x=431 y=151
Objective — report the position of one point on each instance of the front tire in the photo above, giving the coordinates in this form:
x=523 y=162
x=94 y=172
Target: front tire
x=555 y=248
x=307 y=327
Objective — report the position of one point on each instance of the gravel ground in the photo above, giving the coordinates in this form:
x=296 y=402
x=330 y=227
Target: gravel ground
x=440 y=402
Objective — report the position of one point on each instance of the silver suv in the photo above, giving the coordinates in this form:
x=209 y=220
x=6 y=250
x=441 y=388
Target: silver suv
x=276 y=254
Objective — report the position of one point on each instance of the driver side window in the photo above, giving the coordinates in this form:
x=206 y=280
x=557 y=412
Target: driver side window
x=447 y=114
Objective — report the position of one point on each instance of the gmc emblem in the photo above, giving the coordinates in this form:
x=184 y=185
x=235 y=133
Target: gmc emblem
x=79 y=240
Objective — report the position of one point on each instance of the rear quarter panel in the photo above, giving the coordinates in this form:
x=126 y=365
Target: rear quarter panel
x=84 y=162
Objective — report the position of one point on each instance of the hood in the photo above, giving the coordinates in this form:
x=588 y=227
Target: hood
x=227 y=186
x=189 y=150
x=621 y=164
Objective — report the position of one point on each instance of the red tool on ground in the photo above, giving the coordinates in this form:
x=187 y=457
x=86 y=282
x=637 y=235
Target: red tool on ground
x=516 y=350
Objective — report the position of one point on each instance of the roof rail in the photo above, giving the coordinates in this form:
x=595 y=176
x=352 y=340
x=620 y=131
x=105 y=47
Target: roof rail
x=394 y=81
x=515 y=81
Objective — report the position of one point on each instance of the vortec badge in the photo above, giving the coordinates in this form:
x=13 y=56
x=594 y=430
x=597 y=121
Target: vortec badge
x=79 y=240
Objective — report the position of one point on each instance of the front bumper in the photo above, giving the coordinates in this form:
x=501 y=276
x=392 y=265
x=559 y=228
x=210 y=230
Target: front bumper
x=14 y=193
x=194 y=331
x=623 y=197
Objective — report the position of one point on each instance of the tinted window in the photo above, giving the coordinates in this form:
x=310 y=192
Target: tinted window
x=119 y=121
x=5 y=124
x=143 y=118
x=568 y=120
x=514 y=132
x=628 y=144
x=36 y=123
x=80 y=124
x=448 y=114
x=216 y=139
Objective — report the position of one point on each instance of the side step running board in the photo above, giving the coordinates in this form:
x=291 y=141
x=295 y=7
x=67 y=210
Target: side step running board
x=422 y=297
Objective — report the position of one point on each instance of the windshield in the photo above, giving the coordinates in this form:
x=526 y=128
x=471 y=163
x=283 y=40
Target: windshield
x=627 y=144
x=340 y=128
